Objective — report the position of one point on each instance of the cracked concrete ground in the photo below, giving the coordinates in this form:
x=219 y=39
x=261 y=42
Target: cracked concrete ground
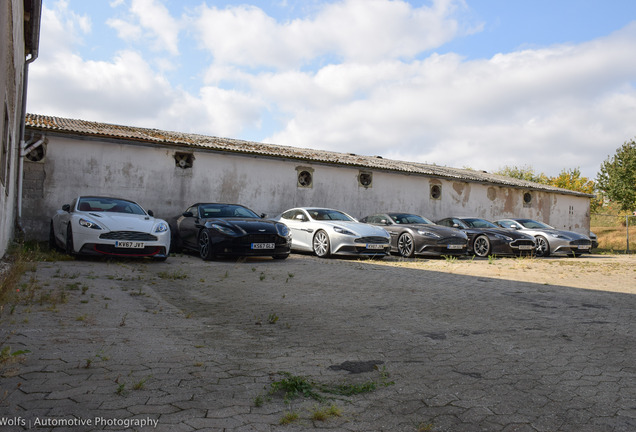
x=196 y=346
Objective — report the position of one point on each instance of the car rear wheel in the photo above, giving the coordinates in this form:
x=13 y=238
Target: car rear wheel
x=405 y=245
x=543 y=247
x=321 y=244
x=481 y=246
x=205 y=248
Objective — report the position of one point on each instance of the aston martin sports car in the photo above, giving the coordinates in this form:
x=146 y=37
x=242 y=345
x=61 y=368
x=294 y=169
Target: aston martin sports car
x=93 y=225
x=486 y=238
x=415 y=235
x=216 y=229
x=549 y=239
x=326 y=231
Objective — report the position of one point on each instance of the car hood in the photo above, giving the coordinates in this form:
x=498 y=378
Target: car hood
x=501 y=231
x=358 y=228
x=248 y=225
x=437 y=229
x=569 y=234
x=121 y=221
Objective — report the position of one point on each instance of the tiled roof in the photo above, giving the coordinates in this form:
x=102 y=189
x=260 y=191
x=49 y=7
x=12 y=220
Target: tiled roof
x=195 y=141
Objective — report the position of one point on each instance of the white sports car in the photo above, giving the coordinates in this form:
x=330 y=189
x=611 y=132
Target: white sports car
x=109 y=226
x=327 y=231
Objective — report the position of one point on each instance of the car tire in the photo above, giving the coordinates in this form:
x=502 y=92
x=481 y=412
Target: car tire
x=543 y=247
x=321 y=244
x=205 y=247
x=52 y=241
x=69 y=247
x=481 y=246
x=406 y=245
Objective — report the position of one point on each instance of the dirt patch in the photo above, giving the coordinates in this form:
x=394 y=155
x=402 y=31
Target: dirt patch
x=615 y=273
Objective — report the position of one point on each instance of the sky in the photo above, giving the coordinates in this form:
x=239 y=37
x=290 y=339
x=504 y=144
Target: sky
x=547 y=85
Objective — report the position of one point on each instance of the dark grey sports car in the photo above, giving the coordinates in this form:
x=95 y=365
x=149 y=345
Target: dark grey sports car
x=214 y=229
x=415 y=235
x=486 y=238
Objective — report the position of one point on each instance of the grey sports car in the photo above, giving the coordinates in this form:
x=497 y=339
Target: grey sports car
x=327 y=231
x=549 y=239
x=415 y=235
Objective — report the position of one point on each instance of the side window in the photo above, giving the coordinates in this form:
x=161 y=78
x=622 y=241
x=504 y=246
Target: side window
x=194 y=210
x=288 y=215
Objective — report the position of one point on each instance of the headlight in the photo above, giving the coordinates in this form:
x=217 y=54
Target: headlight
x=428 y=234
x=340 y=230
x=89 y=224
x=282 y=229
x=161 y=227
x=503 y=237
x=559 y=236
x=223 y=229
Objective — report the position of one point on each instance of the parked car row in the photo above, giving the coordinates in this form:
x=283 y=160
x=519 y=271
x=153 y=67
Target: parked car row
x=113 y=226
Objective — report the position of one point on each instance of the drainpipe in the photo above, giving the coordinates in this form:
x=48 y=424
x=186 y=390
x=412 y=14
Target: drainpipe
x=36 y=12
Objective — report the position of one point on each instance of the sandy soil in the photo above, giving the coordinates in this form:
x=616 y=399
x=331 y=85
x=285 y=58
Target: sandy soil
x=615 y=273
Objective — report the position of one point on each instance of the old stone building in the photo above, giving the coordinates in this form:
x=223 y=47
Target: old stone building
x=168 y=171
x=19 y=29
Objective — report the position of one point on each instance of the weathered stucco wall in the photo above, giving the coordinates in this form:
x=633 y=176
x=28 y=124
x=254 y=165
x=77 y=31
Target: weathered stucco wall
x=149 y=175
x=12 y=58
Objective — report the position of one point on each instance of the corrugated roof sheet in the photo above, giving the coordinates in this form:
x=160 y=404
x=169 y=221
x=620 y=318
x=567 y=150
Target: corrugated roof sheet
x=112 y=131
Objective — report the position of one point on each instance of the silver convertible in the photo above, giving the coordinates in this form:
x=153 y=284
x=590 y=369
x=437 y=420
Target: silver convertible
x=326 y=231
x=549 y=239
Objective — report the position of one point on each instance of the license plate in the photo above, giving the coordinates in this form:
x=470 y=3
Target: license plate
x=129 y=245
x=263 y=245
x=454 y=247
x=526 y=247
x=585 y=246
x=375 y=246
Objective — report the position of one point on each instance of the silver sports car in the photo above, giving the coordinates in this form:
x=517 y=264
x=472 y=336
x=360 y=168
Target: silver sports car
x=549 y=239
x=326 y=231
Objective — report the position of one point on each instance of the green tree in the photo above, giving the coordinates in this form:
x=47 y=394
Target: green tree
x=617 y=178
x=524 y=173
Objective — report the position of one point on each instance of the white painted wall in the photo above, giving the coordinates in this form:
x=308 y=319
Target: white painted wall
x=148 y=174
x=12 y=58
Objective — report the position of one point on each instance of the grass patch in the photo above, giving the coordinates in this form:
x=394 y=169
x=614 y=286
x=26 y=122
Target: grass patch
x=177 y=274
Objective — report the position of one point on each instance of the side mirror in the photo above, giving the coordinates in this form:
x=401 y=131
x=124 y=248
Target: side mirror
x=384 y=222
x=187 y=214
x=456 y=225
x=263 y=215
x=66 y=207
x=151 y=213
x=300 y=218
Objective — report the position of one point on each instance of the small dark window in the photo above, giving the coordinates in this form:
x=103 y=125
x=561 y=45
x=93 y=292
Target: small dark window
x=436 y=191
x=184 y=160
x=365 y=179
x=305 y=178
x=527 y=198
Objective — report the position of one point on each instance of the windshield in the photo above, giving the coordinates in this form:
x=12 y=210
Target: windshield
x=405 y=218
x=114 y=205
x=529 y=223
x=326 y=214
x=479 y=223
x=208 y=211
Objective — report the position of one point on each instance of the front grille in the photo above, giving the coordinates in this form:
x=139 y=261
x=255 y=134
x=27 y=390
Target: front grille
x=580 y=242
x=377 y=240
x=262 y=238
x=522 y=242
x=112 y=250
x=452 y=241
x=128 y=235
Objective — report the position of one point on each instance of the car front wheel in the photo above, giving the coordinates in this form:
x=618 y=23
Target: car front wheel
x=69 y=240
x=543 y=247
x=481 y=246
x=405 y=245
x=205 y=247
x=321 y=244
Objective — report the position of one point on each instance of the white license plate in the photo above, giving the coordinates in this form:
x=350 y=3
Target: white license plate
x=585 y=246
x=526 y=247
x=454 y=247
x=263 y=246
x=129 y=245
x=375 y=246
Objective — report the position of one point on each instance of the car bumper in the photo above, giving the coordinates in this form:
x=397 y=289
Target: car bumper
x=148 y=245
x=366 y=246
x=246 y=246
x=577 y=246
